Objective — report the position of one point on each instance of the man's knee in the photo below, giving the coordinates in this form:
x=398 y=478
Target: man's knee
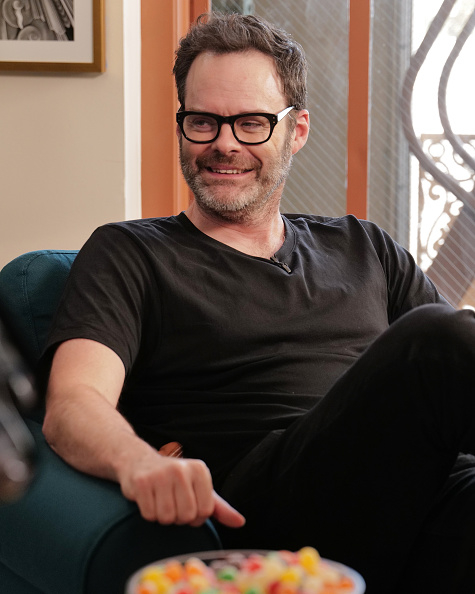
x=437 y=325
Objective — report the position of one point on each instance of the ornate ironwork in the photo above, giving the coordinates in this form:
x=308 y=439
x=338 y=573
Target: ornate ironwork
x=438 y=207
x=450 y=243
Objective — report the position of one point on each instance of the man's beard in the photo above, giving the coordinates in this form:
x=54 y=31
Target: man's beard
x=239 y=203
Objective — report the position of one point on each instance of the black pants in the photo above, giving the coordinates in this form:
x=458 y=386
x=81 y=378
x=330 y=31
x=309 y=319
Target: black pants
x=372 y=476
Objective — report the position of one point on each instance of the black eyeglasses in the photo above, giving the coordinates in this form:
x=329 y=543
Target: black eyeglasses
x=248 y=128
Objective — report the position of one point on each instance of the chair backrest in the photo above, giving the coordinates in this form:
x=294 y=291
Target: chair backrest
x=30 y=289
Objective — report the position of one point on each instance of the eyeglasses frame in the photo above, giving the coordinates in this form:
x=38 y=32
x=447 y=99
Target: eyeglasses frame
x=274 y=119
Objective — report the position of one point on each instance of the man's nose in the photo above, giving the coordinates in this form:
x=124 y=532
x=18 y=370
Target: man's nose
x=226 y=140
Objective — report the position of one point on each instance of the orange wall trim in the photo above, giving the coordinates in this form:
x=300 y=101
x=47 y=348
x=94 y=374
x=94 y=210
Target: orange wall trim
x=198 y=7
x=164 y=191
x=358 y=97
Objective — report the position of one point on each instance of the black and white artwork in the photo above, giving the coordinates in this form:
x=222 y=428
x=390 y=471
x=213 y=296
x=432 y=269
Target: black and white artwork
x=37 y=20
x=30 y=30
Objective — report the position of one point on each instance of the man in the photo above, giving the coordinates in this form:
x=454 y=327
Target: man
x=286 y=355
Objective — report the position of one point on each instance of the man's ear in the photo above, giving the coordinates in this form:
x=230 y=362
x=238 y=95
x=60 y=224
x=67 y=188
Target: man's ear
x=301 y=131
x=178 y=132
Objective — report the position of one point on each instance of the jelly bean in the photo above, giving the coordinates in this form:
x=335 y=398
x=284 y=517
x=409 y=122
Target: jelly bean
x=346 y=583
x=309 y=559
x=252 y=563
x=195 y=566
x=331 y=575
x=235 y=558
x=292 y=574
x=154 y=576
x=198 y=582
x=253 y=590
x=183 y=588
x=174 y=571
x=288 y=557
x=287 y=588
x=273 y=587
x=227 y=573
x=229 y=588
x=312 y=585
x=152 y=573
x=273 y=568
x=218 y=564
x=147 y=588
x=164 y=585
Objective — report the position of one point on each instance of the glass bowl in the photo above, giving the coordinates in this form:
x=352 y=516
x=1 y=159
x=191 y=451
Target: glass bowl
x=210 y=556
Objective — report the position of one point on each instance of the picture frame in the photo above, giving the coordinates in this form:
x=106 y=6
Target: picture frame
x=52 y=35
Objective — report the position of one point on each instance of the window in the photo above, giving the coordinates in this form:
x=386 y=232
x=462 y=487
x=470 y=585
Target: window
x=402 y=196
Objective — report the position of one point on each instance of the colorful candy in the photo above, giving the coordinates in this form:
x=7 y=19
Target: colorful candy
x=279 y=572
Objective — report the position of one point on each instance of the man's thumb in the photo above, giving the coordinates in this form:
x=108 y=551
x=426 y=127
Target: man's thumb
x=226 y=514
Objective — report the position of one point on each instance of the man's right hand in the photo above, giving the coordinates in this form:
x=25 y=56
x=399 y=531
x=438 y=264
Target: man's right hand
x=175 y=491
x=83 y=426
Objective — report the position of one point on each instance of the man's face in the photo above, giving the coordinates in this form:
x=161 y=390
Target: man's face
x=229 y=179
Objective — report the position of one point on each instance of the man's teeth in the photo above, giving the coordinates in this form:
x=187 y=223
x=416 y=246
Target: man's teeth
x=229 y=171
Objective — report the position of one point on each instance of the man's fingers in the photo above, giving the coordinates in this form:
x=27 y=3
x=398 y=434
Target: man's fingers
x=192 y=500
x=178 y=491
x=226 y=514
x=181 y=506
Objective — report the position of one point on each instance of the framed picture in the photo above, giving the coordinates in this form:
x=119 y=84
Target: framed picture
x=54 y=35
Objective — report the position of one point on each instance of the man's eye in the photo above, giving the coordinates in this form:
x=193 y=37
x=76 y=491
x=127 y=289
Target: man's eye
x=253 y=124
x=201 y=123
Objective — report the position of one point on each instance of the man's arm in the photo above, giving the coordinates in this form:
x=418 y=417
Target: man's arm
x=83 y=426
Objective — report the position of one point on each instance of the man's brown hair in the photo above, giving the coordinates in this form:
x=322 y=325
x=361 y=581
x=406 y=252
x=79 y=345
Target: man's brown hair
x=226 y=33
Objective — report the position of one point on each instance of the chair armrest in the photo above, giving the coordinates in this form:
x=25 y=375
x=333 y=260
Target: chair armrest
x=75 y=533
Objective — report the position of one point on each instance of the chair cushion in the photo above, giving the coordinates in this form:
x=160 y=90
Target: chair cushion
x=14 y=584
x=30 y=288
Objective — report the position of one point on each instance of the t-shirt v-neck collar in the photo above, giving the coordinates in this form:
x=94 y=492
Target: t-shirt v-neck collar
x=282 y=253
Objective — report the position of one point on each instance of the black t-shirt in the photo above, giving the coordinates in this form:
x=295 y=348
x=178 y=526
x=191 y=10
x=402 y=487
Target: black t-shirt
x=219 y=347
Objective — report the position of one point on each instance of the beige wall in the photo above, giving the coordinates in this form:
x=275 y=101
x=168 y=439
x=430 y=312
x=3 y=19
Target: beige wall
x=62 y=152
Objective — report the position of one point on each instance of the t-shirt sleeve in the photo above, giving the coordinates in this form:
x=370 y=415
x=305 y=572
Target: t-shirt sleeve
x=408 y=286
x=105 y=298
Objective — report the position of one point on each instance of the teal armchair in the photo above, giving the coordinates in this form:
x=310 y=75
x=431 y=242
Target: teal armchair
x=70 y=533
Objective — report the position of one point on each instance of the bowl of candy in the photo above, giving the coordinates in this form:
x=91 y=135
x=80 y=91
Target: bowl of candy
x=247 y=572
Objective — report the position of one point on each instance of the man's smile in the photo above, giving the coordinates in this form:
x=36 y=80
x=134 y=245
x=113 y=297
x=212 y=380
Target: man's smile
x=227 y=171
